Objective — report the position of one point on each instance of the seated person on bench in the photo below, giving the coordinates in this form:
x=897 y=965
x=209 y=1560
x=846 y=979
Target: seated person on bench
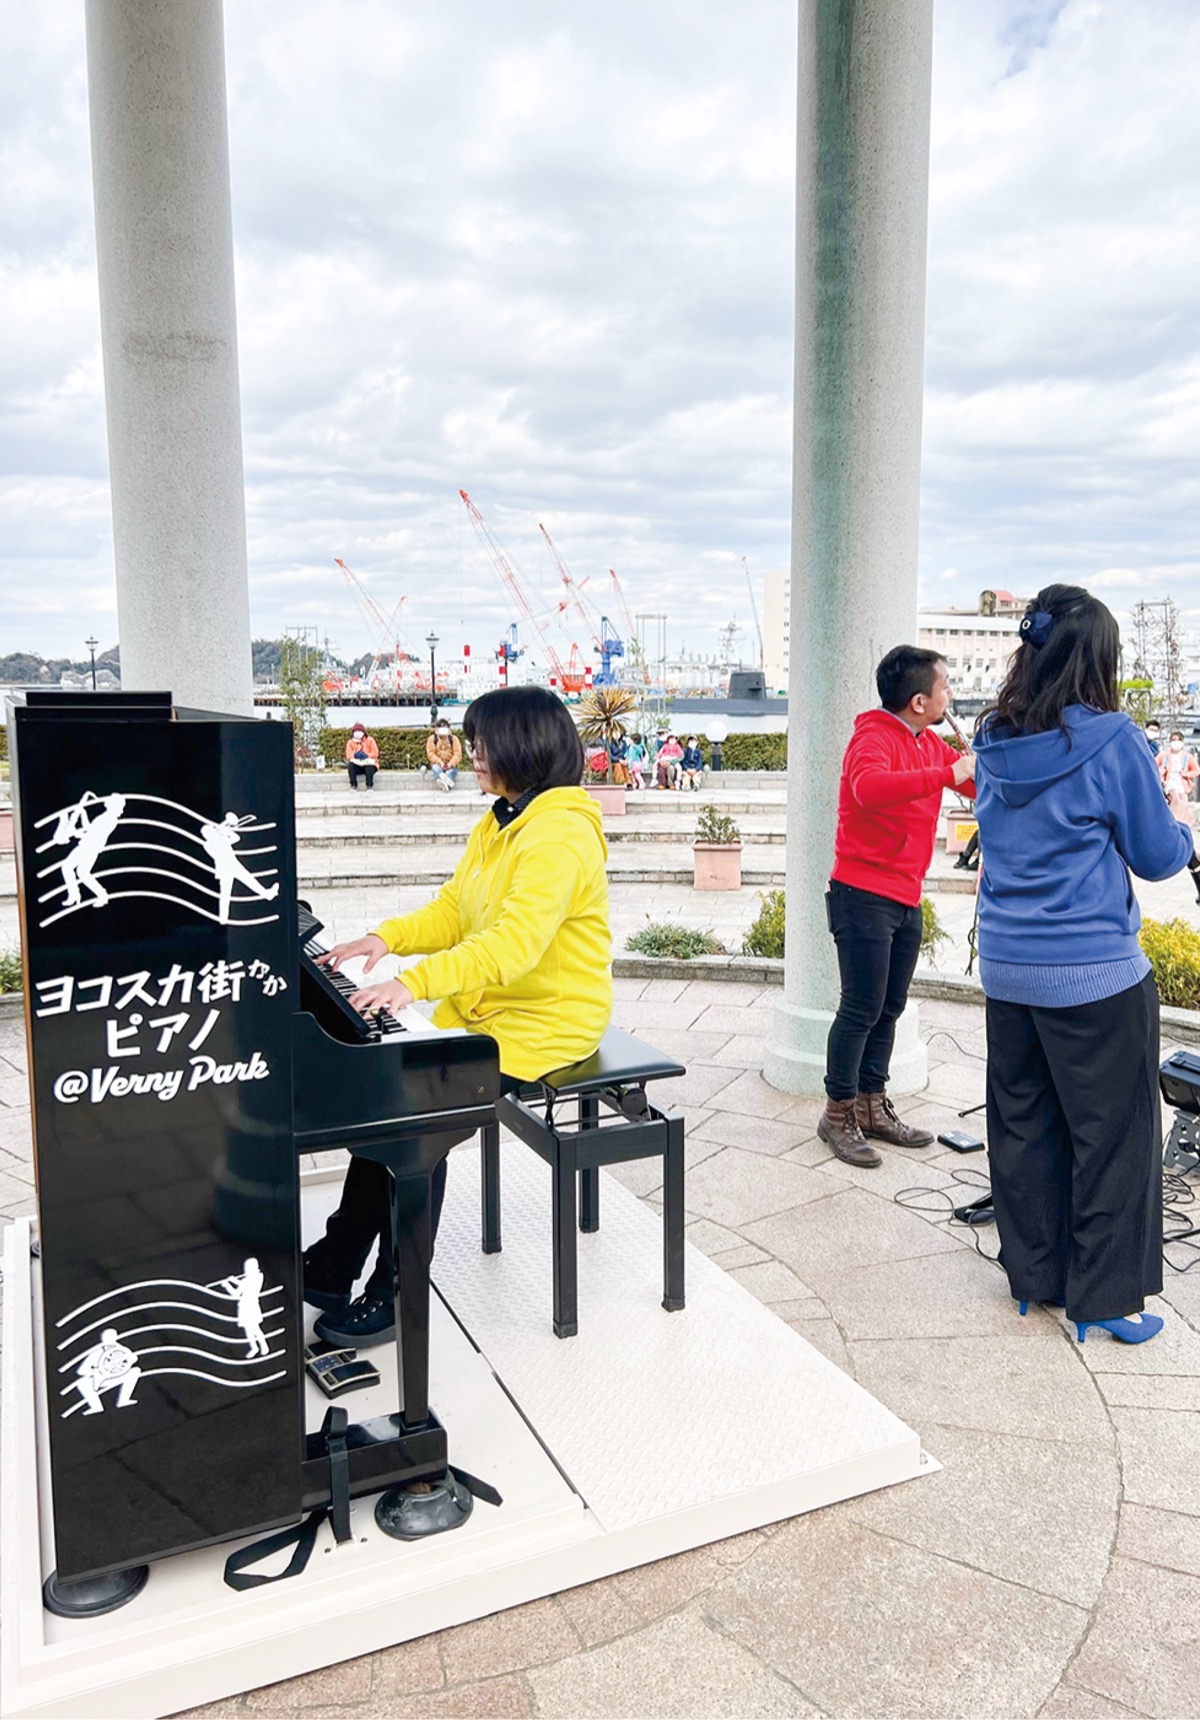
x=518 y=946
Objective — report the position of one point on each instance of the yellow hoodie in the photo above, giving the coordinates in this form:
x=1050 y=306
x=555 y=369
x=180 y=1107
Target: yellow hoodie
x=521 y=931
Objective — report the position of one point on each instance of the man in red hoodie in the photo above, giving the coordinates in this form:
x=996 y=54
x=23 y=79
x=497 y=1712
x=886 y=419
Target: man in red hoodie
x=893 y=775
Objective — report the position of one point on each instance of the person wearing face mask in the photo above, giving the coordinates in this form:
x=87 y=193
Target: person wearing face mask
x=362 y=756
x=443 y=749
x=1179 y=770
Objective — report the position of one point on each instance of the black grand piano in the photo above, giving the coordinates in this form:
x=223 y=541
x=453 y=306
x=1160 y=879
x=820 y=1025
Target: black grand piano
x=185 y=1050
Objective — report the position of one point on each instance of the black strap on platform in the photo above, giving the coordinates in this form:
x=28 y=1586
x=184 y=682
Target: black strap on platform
x=302 y=1536
x=481 y=1490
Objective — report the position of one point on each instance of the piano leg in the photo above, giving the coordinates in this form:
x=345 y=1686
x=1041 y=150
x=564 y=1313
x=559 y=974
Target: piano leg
x=412 y=1250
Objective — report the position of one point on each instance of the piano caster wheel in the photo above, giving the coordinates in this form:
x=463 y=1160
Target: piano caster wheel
x=93 y=1595
x=423 y=1508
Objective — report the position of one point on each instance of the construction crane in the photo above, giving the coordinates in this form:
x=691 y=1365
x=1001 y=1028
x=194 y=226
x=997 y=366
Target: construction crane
x=568 y=681
x=605 y=638
x=386 y=627
x=508 y=650
x=754 y=610
x=635 y=645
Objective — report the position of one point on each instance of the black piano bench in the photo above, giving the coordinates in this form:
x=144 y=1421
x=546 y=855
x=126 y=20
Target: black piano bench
x=595 y=1113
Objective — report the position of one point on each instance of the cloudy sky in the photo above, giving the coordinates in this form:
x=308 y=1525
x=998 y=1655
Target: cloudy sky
x=542 y=252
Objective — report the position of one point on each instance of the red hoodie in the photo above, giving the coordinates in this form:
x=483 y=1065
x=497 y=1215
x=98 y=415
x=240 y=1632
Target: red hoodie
x=888 y=805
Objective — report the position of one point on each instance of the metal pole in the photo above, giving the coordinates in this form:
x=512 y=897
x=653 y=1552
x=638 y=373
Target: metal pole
x=91 y=645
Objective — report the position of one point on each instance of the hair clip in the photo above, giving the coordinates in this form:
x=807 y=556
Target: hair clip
x=1035 y=627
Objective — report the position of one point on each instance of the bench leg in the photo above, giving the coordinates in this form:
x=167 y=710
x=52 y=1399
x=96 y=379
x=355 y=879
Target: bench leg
x=589 y=1181
x=589 y=1200
x=489 y=1156
x=566 y=1283
x=673 y=1216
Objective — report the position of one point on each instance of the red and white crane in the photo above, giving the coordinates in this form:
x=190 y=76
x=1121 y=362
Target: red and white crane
x=569 y=679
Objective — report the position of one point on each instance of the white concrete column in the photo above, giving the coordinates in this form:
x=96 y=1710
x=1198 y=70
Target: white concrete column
x=164 y=240
x=861 y=205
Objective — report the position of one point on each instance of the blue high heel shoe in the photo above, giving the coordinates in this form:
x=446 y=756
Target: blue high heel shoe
x=1023 y=1307
x=1128 y=1331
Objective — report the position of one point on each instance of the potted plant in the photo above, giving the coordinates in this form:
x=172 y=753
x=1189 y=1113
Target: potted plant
x=602 y=715
x=716 y=852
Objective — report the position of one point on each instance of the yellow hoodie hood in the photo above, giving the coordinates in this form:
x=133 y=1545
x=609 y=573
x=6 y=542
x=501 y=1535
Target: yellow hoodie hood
x=517 y=942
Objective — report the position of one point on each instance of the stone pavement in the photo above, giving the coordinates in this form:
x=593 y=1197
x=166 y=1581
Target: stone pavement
x=1051 y=1569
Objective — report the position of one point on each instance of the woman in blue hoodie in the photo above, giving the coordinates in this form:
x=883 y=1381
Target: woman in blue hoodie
x=1069 y=803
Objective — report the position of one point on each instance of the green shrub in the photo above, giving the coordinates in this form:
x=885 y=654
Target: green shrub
x=932 y=932
x=667 y=938
x=1173 y=949
x=3 y=742
x=751 y=752
x=714 y=826
x=10 y=971
x=399 y=749
x=765 y=937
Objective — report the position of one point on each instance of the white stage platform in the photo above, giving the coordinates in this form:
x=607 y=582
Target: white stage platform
x=647 y=1434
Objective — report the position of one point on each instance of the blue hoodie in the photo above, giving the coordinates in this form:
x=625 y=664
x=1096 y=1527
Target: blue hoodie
x=1061 y=825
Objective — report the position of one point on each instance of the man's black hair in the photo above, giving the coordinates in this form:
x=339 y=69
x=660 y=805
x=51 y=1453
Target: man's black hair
x=905 y=671
x=527 y=737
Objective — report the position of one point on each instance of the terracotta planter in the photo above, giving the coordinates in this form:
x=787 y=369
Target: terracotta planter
x=609 y=795
x=7 y=839
x=717 y=865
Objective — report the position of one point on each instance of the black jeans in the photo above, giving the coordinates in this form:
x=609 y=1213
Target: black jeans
x=357 y=770
x=363 y=1217
x=878 y=941
x=1075 y=1148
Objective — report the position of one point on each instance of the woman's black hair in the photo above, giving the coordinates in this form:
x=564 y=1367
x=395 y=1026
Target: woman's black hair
x=1071 y=658
x=527 y=737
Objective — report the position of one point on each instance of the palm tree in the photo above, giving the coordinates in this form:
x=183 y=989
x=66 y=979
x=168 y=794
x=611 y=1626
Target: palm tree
x=601 y=716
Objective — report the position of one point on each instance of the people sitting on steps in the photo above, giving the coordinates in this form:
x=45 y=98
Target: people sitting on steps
x=443 y=749
x=362 y=755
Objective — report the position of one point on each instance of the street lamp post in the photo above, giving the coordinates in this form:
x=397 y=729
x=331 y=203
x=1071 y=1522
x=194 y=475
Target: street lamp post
x=432 y=642
x=91 y=645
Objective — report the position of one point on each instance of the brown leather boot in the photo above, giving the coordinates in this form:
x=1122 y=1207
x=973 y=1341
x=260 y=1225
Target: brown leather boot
x=839 y=1129
x=877 y=1117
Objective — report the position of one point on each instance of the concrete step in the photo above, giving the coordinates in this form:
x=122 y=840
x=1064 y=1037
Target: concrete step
x=334 y=781
x=467 y=804
x=420 y=830
x=649 y=863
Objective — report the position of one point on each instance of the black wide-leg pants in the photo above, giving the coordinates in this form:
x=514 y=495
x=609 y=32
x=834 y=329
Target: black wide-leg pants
x=1075 y=1146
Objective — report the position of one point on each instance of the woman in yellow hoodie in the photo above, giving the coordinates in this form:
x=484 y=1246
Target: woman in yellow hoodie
x=516 y=945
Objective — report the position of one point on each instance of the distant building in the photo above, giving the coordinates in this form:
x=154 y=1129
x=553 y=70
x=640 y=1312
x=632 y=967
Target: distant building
x=777 y=617
x=976 y=643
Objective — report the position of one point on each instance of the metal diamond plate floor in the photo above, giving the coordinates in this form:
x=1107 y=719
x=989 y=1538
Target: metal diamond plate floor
x=648 y=1413
x=647 y=1434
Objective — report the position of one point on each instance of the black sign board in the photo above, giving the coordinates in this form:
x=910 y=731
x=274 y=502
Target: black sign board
x=157 y=879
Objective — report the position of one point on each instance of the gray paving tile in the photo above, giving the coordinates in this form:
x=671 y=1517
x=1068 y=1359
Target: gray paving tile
x=823 y=1334
x=946 y=1296
x=1010 y=1506
x=755 y=1134
x=751 y=1096
x=772 y=1282
x=1143 y=1648
x=702 y=1084
x=1169 y=1538
x=1150 y=1391
x=678 y=1666
x=711 y=1238
x=850 y=1229
x=751 y=1018
x=1158 y=1455
x=735 y=1187
x=1069 y=1702
x=1028 y=1384
x=868 y=1626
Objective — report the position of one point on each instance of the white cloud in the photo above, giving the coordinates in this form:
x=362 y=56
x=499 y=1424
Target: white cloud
x=544 y=254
